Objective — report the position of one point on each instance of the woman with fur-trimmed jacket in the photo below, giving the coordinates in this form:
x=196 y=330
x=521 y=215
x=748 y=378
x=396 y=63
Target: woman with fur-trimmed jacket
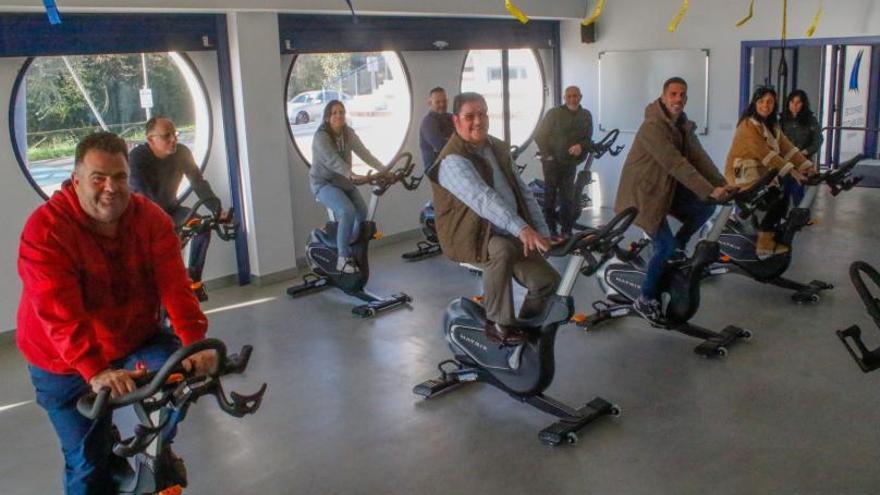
x=759 y=146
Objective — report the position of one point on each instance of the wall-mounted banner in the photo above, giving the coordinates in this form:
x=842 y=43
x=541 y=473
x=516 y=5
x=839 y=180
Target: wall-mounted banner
x=854 y=105
x=52 y=11
x=748 y=17
x=673 y=24
x=514 y=11
x=595 y=15
x=816 y=18
x=854 y=73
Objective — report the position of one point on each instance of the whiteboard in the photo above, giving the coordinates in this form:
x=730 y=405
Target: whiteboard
x=630 y=80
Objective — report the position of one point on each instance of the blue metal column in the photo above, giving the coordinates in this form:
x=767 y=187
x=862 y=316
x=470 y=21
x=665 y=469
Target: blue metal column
x=230 y=133
x=833 y=90
x=873 y=117
x=505 y=95
x=838 y=102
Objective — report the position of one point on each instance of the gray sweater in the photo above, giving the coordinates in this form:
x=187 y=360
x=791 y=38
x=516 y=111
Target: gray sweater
x=331 y=158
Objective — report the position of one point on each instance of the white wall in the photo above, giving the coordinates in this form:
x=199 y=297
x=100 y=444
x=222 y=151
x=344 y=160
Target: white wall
x=630 y=25
x=260 y=117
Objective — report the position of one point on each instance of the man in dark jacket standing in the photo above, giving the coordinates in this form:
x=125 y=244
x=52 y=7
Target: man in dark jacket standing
x=667 y=172
x=157 y=168
x=95 y=263
x=487 y=216
x=564 y=139
x=436 y=127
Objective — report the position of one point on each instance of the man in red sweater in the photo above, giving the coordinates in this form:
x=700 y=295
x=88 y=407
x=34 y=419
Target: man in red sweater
x=96 y=263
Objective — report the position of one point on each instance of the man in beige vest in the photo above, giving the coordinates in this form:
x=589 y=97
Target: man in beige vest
x=485 y=215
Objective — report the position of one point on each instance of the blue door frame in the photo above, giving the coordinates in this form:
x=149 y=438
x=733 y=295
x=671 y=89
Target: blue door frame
x=873 y=114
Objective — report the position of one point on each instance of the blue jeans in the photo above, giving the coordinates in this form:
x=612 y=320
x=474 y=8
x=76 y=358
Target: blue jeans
x=349 y=209
x=693 y=213
x=88 y=459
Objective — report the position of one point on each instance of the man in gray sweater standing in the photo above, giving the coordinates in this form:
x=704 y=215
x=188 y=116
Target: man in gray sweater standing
x=564 y=139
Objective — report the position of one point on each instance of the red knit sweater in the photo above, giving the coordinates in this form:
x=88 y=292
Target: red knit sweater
x=88 y=299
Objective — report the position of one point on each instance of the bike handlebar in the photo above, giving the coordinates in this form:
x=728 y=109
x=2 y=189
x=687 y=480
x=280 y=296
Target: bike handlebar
x=92 y=405
x=838 y=179
x=381 y=181
x=600 y=240
x=605 y=145
x=857 y=273
x=194 y=223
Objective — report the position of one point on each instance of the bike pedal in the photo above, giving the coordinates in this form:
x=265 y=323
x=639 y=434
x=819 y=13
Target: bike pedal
x=172 y=490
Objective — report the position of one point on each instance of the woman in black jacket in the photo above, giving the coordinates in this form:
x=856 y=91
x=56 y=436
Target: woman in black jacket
x=801 y=127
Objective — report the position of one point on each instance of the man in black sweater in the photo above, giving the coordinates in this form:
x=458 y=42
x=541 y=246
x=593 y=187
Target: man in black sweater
x=157 y=168
x=564 y=138
x=436 y=127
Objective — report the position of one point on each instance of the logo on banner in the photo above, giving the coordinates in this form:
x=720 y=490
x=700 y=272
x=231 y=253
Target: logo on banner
x=854 y=74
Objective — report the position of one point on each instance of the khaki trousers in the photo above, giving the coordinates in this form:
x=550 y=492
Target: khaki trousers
x=506 y=261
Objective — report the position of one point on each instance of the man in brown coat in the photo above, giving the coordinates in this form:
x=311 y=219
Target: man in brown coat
x=485 y=215
x=667 y=172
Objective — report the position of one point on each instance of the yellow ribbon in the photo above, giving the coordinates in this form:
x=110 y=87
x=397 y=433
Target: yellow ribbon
x=673 y=24
x=812 y=29
x=514 y=11
x=595 y=15
x=749 y=16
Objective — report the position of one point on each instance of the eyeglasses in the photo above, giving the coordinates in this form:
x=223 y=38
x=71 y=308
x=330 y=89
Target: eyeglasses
x=166 y=136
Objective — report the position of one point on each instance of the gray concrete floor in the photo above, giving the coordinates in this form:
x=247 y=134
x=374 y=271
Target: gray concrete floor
x=787 y=413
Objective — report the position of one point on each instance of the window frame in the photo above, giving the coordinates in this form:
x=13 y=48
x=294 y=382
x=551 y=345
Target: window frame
x=21 y=153
x=406 y=76
x=506 y=91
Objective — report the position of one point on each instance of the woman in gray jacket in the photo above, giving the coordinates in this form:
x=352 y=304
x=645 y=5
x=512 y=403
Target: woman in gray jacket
x=333 y=182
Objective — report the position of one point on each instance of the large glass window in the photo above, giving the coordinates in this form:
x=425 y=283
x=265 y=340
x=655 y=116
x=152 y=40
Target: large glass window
x=62 y=99
x=372 y=86
x=483 y=74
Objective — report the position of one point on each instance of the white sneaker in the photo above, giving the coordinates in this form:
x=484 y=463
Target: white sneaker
x=346 y=265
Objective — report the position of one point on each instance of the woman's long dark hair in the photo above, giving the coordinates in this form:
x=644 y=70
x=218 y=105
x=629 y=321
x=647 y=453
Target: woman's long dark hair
x=805 y=115
x=325 y=120
x=772 y=120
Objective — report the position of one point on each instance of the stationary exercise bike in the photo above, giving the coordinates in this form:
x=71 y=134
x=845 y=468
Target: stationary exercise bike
x=321 y=250
x=584 y=176
x=868 y=360
x=431 y=245
x=196 y=224
x=524 y=371
x=161 y=401
x=739 y=238
x=679 y=286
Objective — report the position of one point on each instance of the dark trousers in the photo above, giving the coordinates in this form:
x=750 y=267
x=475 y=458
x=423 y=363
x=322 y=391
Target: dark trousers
x=692 y=213
x=559 y=191
x=793 y=190
x=198 y=246
x=506 y=262
x=88 y=459
x=777 y=209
